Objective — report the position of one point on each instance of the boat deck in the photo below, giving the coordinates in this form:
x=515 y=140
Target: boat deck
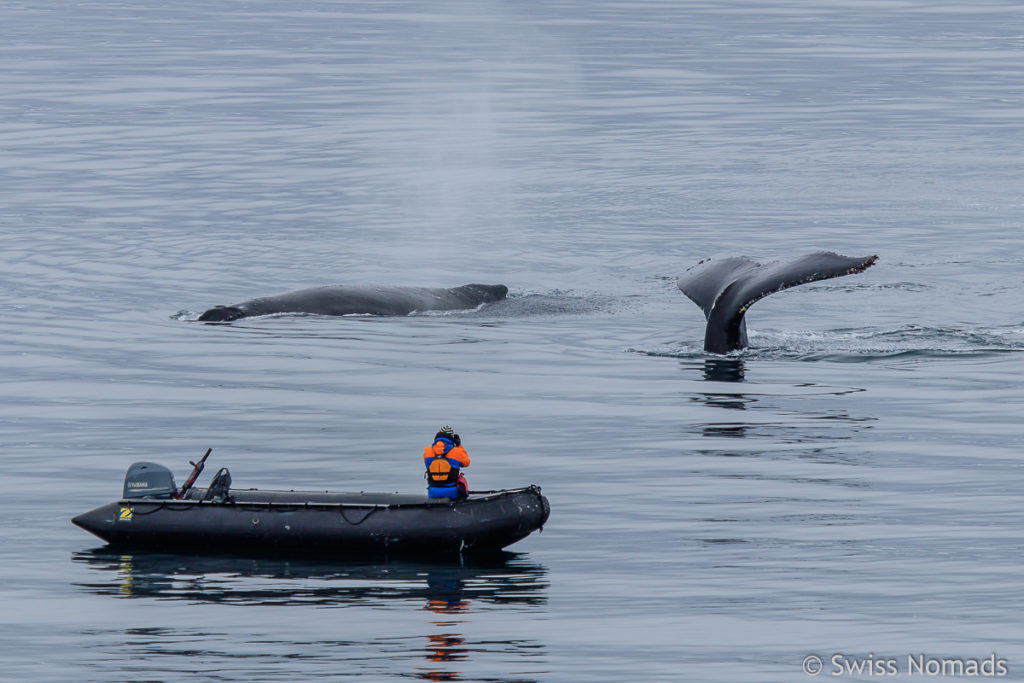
x=324 y=498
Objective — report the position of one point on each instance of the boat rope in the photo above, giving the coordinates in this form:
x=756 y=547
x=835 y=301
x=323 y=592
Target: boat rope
x=369 y=512
x=175 y=506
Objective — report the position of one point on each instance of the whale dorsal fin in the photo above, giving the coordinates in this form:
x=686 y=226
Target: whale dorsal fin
x=726 y=288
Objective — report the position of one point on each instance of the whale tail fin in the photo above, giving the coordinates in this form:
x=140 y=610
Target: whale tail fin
x=222 y=314
x=726 y=288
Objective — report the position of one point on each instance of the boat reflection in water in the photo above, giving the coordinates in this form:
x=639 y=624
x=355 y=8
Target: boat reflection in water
x=449 y=593
x=446 y=649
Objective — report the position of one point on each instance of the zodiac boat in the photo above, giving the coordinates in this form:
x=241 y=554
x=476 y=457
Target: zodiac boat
x=153 y=513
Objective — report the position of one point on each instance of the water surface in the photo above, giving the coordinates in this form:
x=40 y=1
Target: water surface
x=849 y=484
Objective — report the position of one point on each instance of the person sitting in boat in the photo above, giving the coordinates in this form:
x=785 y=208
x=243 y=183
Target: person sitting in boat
x=444 y=460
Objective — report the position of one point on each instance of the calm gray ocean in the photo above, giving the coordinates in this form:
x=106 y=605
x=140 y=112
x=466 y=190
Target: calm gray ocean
x=849 y=487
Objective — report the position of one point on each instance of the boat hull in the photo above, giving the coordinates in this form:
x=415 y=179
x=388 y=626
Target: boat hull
x=322 y=523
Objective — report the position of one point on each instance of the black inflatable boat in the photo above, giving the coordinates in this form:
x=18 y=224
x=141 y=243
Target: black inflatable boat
x=153 y=513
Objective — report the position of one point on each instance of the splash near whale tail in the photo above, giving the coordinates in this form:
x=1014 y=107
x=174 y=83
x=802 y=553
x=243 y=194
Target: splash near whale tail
x=726 y=288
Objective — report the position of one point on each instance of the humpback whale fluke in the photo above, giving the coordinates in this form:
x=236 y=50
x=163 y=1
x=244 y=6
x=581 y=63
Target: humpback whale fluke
x=726 y=288
x=354 y=300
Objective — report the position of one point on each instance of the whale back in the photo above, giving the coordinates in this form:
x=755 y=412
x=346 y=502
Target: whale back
x=481 y=294
x=222 y=314
x=361 y=300
x=726 y=288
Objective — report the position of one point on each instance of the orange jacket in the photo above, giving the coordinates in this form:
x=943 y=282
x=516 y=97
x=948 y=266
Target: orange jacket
x=457 y=453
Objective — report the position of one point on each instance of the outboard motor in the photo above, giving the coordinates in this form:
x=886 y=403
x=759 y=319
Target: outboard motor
x=149 y=480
